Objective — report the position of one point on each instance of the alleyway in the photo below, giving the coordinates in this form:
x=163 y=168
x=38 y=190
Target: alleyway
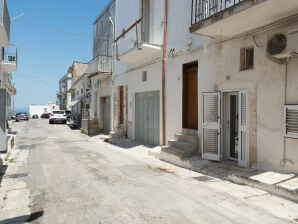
x=76 y=179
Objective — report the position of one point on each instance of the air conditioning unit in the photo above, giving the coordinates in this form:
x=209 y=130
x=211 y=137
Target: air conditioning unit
x=283 y=44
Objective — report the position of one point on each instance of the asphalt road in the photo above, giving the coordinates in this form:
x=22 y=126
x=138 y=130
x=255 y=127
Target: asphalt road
x=77 y=179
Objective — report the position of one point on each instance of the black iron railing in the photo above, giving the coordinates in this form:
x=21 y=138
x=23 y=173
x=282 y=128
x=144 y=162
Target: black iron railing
x=203 y=9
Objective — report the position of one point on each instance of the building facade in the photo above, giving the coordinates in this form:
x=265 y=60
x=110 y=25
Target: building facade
x=8 y=63
x=245 y=79
x=137 y=75
x=64 y=96
x=100 y=71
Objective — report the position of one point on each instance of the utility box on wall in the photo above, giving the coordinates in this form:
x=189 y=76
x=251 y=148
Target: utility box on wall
x=3 y=121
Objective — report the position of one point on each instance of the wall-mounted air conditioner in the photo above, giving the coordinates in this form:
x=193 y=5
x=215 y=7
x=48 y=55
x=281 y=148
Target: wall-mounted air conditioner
x=283 y=45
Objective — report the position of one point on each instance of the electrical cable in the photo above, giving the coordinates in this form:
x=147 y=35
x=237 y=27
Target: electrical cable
x=53 y=29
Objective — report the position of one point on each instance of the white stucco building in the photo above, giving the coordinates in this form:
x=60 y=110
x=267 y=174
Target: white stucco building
x=138 y=76
x=40 y=109
x=230 y=70
x=245 y=73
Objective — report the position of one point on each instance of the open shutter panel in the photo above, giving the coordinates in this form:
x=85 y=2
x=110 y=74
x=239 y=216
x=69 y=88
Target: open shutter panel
x=211 y=126
x=243 y=128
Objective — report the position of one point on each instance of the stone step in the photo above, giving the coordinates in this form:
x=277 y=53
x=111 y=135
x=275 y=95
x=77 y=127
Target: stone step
x=189 y=131
x=187 y=146
x=186 y=138
x=176 y=151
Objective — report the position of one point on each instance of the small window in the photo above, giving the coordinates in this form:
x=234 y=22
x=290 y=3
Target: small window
x=291 y=121
x=144 y=76
x=246 y=58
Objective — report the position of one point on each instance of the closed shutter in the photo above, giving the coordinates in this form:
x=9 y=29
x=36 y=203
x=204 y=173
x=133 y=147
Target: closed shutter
x=243 y=129
x=211 y=126
x=291 y=121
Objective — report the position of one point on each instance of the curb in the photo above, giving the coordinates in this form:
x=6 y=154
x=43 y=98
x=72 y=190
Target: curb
x=275 y=189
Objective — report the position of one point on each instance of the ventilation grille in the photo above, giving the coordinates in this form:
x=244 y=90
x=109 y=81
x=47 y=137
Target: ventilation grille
x=291 y=121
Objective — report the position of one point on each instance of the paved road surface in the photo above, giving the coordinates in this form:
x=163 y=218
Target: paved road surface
x=77 y=179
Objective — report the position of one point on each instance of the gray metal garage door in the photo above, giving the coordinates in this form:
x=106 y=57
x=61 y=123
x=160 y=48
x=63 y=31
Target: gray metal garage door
x=147 y=118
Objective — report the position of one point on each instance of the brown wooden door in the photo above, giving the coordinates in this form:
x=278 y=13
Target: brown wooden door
x=190 y=96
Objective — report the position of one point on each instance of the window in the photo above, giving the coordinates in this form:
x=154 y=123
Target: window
x=144 y=76
x=291 y=121
x=246 y=58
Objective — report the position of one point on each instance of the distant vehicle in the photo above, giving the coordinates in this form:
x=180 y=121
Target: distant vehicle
x=22 y=116
x=74 y=121
x=34 y=116
x=57 y=116
x=13 y=117
x=45 y=115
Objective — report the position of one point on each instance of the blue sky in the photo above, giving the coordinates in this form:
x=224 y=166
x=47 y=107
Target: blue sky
x=45 y=49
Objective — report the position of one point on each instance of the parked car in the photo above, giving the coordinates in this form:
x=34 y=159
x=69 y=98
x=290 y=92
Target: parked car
x=34 y=116
x=74 y=121
x=68 y=114
x=45 y=115
x=57 y=116
x=22 y=116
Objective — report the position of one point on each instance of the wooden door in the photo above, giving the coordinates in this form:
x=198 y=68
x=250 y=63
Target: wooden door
x=190 y=96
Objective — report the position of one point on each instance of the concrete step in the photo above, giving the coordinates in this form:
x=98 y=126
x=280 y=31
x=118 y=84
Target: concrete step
x=186 y=138
x=176 y=151
x=190 y=131
x=186 y=146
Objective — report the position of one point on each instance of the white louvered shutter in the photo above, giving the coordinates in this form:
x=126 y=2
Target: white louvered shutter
x=291 y=121
x=243 y=129
x=211 y=126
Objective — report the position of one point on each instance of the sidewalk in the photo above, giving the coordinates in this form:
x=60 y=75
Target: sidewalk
x=284 y=185
x=14 y=194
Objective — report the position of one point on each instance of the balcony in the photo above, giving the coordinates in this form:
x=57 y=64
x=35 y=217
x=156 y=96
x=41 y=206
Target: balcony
x=9 y=59
x=132 y=49
x=101 y=66
x=4 y=24
x=223 y=19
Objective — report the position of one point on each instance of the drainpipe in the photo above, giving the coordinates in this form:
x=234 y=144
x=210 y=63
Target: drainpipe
x=164 y=55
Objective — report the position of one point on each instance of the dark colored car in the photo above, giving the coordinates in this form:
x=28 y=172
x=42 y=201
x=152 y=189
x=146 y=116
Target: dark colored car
x=74 y=121
x=68 y=114
x=34 y=116
x=45 y=115
x=22 y=116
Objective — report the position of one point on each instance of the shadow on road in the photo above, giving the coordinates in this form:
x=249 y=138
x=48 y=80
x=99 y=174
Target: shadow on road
x=2 y=172
x=25 y=218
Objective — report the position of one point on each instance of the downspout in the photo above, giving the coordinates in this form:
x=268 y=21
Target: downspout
x=164 y=56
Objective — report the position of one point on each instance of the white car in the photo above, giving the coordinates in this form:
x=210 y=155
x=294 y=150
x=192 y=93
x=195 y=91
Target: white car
x=58 y=116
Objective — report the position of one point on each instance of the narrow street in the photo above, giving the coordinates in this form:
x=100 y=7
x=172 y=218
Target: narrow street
x=77 y=179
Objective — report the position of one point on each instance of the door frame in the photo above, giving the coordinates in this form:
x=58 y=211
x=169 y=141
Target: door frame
x=239 y=91
x=226 y=142
x=243 y=131
x=185 y=67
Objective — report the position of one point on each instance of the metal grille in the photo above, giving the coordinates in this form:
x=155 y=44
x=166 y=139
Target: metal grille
x=203 y=9
x=291 y=121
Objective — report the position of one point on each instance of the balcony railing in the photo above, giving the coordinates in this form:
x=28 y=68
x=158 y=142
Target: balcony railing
x=9 y=58
x=100 y=64
x=203 y=9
